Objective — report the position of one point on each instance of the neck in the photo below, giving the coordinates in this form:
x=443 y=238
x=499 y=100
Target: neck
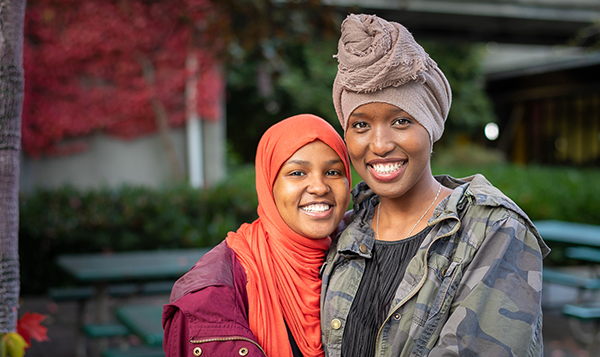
x=415 y=199
x=404 y=216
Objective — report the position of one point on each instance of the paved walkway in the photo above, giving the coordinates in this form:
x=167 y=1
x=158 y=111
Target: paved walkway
x=61 y=323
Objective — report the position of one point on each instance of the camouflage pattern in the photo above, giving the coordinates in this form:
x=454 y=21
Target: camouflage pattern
x=473 y=288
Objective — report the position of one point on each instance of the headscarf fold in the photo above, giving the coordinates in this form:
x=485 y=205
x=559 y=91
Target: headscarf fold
x=282 y=267
x=380 y=61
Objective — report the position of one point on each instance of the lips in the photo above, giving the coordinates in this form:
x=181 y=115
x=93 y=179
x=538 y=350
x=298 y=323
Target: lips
x=387 y=170
x=317 y=210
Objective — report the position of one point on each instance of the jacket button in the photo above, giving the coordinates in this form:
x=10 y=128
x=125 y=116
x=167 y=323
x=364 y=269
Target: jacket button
x=396 y=316
x=444 y=271
x=336 y=324
x=363 y=248
x=243 y=351
x=197 y=351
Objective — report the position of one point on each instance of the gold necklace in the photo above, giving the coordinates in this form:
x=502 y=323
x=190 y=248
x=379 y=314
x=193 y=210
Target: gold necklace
x=415 y=226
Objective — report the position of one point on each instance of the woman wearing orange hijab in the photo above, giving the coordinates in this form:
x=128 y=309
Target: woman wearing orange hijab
x=257 y=293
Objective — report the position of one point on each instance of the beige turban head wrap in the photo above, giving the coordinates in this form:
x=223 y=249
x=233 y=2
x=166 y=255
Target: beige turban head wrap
x=380 y=61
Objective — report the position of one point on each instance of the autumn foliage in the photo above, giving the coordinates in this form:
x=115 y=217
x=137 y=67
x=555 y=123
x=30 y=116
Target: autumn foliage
x=14 y=344
x=96 y=65
x=30 y=327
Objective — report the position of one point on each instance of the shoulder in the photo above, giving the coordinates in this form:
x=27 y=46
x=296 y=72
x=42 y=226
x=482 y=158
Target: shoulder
x=490 y=210
x=218 y=267
x=479 y=193
x=210 y=300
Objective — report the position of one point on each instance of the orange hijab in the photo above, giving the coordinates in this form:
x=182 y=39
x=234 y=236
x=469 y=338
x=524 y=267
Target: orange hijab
x=282 y=267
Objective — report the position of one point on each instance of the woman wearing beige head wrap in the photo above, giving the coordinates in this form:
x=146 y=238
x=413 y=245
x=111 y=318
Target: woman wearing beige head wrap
x=426 y=265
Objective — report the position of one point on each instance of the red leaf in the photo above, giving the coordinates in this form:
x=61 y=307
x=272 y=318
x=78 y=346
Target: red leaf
x=29 y=327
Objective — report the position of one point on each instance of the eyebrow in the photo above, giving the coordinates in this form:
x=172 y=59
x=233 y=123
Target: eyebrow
x=308 y=163
x=395 y=110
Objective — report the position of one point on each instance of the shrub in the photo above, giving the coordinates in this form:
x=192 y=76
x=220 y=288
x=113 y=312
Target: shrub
x=68 y=220
x=559 y=193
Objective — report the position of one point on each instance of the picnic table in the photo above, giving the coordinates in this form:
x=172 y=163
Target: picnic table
x=570 y=233
x=581 y=242
x=101 y=270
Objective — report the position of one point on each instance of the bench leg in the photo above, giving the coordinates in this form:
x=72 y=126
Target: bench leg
x=80 y=340
x=101 y=315
x=594 y=345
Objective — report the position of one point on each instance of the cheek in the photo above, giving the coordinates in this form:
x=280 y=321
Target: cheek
x=415 y=143
x=281 y=194
x=284 y=195
x=355 y=147
x=342 y=193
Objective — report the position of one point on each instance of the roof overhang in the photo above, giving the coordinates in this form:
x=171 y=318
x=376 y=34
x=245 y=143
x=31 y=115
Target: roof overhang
x=547 y=22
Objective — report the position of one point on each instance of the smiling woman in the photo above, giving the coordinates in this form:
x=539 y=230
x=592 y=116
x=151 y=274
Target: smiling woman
x=426 y=265
x=311 y=190
x=257 y=293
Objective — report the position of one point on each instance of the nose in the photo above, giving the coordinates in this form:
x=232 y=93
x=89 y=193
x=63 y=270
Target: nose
x=381 y=143
x=318 y=185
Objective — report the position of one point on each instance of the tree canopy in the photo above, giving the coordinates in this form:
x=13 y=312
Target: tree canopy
x=96 y=66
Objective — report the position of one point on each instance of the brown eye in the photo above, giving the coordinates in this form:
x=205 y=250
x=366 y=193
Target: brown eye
x=401 y=121
x=360 y=125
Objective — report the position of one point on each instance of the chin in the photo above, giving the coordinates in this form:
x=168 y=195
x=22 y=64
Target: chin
x=319 y=235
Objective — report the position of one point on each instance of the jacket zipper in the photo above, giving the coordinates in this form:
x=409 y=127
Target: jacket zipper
x=234 y=338
x=418 y=287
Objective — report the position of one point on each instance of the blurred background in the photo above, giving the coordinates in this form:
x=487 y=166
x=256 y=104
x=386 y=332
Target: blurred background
x=141 y=117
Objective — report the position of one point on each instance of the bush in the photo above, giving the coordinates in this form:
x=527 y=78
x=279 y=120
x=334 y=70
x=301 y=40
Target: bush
x=69 y=220
x=559 y=193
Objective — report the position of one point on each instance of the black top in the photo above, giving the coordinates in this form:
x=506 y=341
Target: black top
x=382 y=276
x=295 y=350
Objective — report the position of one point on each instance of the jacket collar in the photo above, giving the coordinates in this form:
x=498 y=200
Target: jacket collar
x=474 y=189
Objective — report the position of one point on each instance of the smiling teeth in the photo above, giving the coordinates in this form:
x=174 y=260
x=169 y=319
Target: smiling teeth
x=386 y=168
x=316 y=208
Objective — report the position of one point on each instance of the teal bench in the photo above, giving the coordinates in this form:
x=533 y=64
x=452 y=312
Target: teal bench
x=556 y=276
x=110 y=329
x=583 y=253
x=141 y=320
x=134 y=351
x=82 y=293
x=584 y=312
x=145 y=321
x=590 y=313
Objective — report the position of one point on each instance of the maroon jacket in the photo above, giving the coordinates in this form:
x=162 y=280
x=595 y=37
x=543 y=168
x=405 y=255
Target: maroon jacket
x=208 y=310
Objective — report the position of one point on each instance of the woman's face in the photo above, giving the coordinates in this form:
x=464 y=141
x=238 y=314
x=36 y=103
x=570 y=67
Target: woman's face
x=389 y=149
x=311 y=190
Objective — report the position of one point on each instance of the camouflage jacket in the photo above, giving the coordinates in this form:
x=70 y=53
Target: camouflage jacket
x=473 y=288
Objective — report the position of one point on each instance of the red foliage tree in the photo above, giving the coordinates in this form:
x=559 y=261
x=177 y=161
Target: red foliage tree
x=101 y=65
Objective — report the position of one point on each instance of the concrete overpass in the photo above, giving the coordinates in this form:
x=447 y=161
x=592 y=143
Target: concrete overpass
x=542 y=22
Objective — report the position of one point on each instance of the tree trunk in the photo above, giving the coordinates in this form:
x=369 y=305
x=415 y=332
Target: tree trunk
x=162 y=121
x=12 y=13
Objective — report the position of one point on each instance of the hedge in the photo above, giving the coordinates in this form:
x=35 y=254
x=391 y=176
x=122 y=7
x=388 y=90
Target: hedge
x=559 y=193
x=68 y=220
